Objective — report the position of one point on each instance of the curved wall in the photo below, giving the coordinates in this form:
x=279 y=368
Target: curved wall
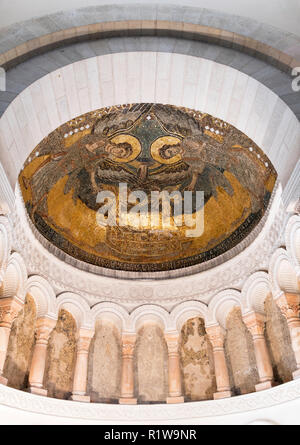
x=149 y=77
x=158 y=77
x=227 y=94
x=285 y=15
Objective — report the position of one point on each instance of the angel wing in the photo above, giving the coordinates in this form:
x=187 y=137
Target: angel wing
x=86 y=184
x=235 y=161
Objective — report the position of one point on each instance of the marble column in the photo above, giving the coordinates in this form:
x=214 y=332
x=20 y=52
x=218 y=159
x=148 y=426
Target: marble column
x=127 y=379
x=255 y=322
x=44 y=327
x=289 y=306
x=174 y=373
x=216 y=336
x=81 y=367
x=9 y=309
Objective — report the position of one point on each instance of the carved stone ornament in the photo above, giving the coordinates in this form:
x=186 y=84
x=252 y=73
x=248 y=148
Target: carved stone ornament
x=255 y=324
x=289 y=305
x=9 y=310
x=216 y=336
x=128 y=343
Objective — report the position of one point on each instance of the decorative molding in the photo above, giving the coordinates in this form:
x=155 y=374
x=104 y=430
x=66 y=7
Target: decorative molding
x=149 y=413
x=15 y=277
x=292 y=240
x=220 y=306
x=254 y=292
x=282 y=273
x=78 y=308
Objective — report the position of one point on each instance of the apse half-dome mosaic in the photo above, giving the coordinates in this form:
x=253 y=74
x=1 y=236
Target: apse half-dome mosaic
x=149 y=148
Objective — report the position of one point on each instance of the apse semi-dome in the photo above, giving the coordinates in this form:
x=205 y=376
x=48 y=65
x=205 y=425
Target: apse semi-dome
x=149 y=148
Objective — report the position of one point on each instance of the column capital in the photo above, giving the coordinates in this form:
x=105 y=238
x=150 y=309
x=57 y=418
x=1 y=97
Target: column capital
x=128 y=343
x=255 y=322
x=216 y=336
x=127 y=379
x=44 y=327
x=84 y=339
x=172 y=340
x=289 y=304
x=9 y=310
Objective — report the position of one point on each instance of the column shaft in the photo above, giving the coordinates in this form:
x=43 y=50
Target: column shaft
x=174 y=373
x=81 y=366
x=9 y=309
x=44 y=327
x=127 y=378
x=216 y=337
x=255 y=324
x=289 y=306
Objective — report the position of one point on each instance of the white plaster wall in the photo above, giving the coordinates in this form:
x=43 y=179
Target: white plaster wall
x=149 y=77
x=280 y=13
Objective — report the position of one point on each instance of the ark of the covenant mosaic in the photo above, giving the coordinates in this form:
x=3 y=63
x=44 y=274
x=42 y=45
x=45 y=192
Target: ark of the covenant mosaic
x=148 y=147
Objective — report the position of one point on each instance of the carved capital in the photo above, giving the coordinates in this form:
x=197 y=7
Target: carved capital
x=216 y=336
x=172 y=341
x=128 y=343
x=289 y=304
x=255 y=323
x=84 y=340
x=9 y=310
x=44 y=327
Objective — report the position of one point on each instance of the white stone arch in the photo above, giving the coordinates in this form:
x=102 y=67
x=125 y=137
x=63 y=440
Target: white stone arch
x=185 y=311
x=77 y=307
x=5 y=243
x=15 y=277
x=255 y=291
x=283 y=275
x=149 y=313
x=44 y=296
x=292 y=240
x=221 y=304
x=112 y=313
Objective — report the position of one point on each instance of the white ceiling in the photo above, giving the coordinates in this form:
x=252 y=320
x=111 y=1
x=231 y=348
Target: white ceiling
x=284 y=14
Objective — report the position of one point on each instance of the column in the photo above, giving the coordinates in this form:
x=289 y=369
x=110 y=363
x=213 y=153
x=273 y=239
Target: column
x=9 y=309
x=174 y=374
x=127 y=379
x=256 y=323
x=216 y=336
x=289 y=306
x=44 y=327
x=81 y=366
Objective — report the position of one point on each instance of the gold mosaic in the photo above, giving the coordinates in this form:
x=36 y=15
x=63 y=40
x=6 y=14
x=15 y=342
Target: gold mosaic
x=148 y=147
